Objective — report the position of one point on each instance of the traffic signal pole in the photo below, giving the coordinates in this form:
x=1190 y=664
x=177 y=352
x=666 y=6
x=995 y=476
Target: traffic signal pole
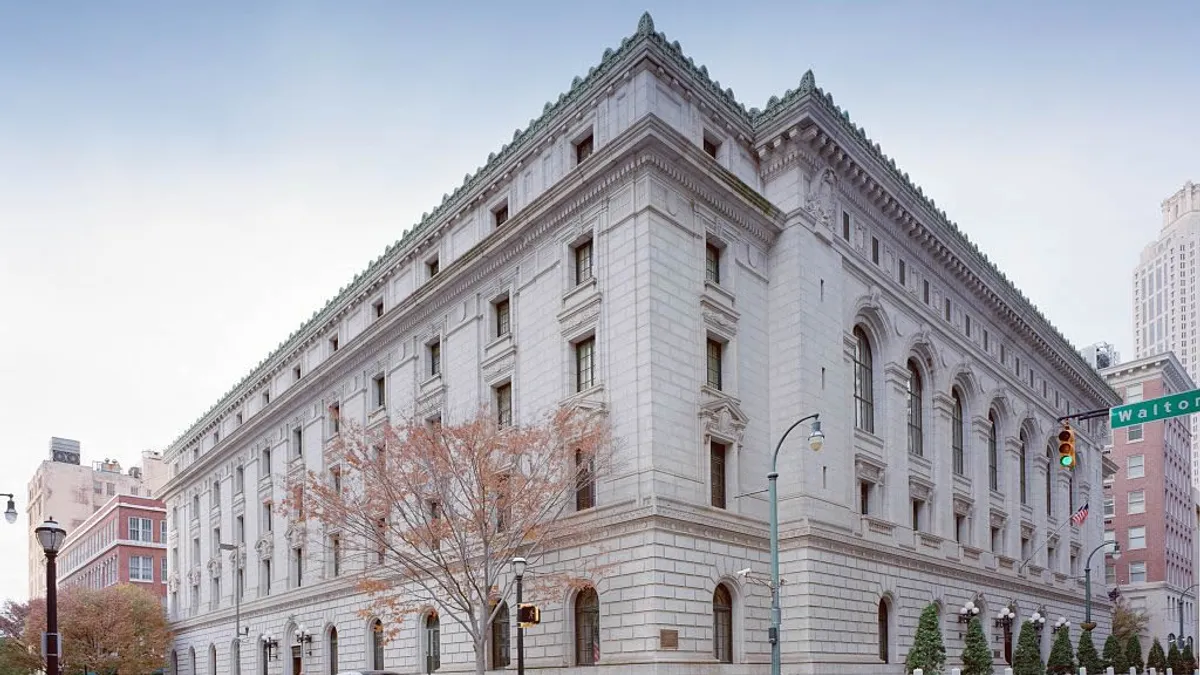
x=1087 y=415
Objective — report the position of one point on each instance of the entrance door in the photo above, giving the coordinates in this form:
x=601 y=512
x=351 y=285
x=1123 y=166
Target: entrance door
x=297 y=662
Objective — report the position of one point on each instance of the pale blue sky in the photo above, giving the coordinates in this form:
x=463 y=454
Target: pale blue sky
x=180 y=189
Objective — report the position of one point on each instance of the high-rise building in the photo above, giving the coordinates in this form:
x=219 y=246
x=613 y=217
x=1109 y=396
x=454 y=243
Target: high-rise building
x=125 y=542
x=1148 y=507
x=703 y=274
x=71 y=492
x=1166 y=294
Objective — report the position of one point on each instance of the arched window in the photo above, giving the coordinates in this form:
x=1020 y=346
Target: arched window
x=884 y=636
x=916 y=436
x=500 y=631
x=192 y=658
x=957 y=433
x=175 y=663
x=1050 y=451
x=587 y=628
x=433 y=642
x=235 y=657
x=723 y=624
x=1024 y=468
x=212 y=660
x=333 y=651
x=993 y=453
x=377 y=644
x=864 y=383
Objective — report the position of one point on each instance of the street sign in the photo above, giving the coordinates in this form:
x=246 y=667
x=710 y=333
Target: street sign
x=1160 y=408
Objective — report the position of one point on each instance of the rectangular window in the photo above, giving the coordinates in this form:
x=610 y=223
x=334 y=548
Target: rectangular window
x=585 y=483
x=335 y=418
x=714 y=359
x=1003 y=355
x=585 y=364
x=379 y=386
x=584 y=148
x=960 y=528
x=946 y=311
x=1137 y=537
x=500 y=309
x=266 y=577
x=716 y=454
x=864 y=498
x=845 y=226
x=239 y=529
x=1134 y=433
x=163 y=570
x=377 y=308
x=1109 y=507
x=237 y=419
x=267 y=517
x=435 y=358
x=141 y=529
x=903 y=273
x=1135 y=466
x=987 y=345
x=504 y=405
x=334 y=343
x=298 y=441
x=1110 y=573
x=298 y=566
x=500 y=214
x=712 y=263
x=1137 y=502
x=918 y=511
x=996 y=540
x=711 y=146
x=432 y=267
x=1137 y=572
x=296 y=374
x=335 y=550
x=874 y=250
x=583 y=262
x=967 y=324
x=925 y=291
x=239 y=480
x=266 y=398
x=141 y=568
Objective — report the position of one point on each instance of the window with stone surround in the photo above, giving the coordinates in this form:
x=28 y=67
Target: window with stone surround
x=587 y=627
x=993 y=452
x=585 y=482
x=1023 y=465
x=875 y=250
x=581 y=258
x=332 y=660
x=918 y=514
x=499 y=657
x=504 y=412
x=379 y=390
x=501 y=316
x=377 y=644
x=1137 y=572
x=846 y=231
x=864 y=382
x=865 y=488
x=433 y=266
x=711 y=144
x=914 y=400
x=1137 y=502
x=1051 y=451
x=1135 y=466
x=584 y=148
x=433 y=355
x=585 y=363
x=883 y=627
x=432 y=642
x=1137 y=537
x=717 y=476
x=500 y=214
x=714 y=360
x=723 y=624
x=957 y=432
x=712 y=262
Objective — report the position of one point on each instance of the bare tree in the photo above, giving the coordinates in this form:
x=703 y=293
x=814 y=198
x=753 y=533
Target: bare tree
x=435 y=514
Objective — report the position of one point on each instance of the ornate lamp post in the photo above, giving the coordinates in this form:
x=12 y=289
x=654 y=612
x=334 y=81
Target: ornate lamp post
x=270 y=644
x=1088 y=624
x=303 y=637
x=518 y=566
x=1181 y=597
x=1062 y=624
x=816 y=440
x=1038 y=619
x=51 y=536
x=968 y=611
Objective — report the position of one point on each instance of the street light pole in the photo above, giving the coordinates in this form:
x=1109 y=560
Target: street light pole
x=518 y=564
x=1179 y=637
x=237 y=594
x=1087 y=582
x=815 y=440
x=51 y=536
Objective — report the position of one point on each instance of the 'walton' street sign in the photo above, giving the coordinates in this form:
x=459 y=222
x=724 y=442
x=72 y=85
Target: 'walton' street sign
x=1155 y=409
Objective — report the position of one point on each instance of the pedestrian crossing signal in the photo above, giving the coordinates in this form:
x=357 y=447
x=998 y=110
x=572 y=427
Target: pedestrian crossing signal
x=1066 y=447
x=528 y=615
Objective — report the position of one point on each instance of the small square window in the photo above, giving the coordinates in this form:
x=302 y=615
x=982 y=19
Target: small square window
x=432 y=267
x=501 y=309
x=435 y=358
x=500 y=214
x=711 y=146
x=584 y=148
x=377 y=308
x=583 y=262
x=333 y=344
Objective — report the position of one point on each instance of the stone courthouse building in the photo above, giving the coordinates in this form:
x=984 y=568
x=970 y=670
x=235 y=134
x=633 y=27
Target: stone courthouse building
x=705 y=274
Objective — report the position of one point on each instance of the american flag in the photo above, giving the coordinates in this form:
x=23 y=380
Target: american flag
x=1079 y=516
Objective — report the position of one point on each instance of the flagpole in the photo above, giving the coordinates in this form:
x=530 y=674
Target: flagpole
x=1047 y=540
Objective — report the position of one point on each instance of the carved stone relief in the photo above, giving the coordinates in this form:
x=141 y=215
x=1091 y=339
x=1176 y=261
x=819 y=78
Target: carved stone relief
x=820 y=200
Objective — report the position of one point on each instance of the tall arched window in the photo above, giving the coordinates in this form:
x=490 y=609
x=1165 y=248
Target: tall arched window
x=235 y=657
x=993 y=453
x=192 y=658
x=1050 y=451
x=957 y=433
x=1024 y=468
x=433 y=642
x=212 y=660
x=587 y=628
x=884 y=636
x=377 y=644
x=175 y=663
x=723 y=624
x=500 y=631
x=333 y=651
x=916 y=435
x=864 y=383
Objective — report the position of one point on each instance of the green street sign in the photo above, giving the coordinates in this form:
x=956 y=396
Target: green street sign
x=1155 y=409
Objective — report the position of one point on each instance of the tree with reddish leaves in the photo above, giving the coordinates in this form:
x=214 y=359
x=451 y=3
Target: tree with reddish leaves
x=430 y=516
x=117 y=629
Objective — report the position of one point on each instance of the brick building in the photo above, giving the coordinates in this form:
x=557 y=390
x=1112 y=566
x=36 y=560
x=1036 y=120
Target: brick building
x=704 y=274
x=1148 y=505
x=123 y=542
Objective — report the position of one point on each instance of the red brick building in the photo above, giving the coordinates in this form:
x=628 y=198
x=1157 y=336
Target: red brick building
x=122 y=542
x=1148 y=505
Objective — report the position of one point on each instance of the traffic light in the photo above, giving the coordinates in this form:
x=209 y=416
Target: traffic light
x=1066 y=447
x=528 y=615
